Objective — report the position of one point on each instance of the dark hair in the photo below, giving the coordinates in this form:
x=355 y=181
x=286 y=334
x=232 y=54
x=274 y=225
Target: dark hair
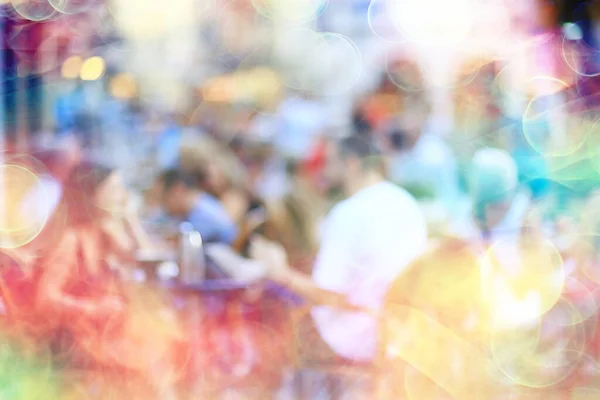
x=173 y=177
x=363 y=149
x=397 y=139
x=80 y=188
x=360 y=123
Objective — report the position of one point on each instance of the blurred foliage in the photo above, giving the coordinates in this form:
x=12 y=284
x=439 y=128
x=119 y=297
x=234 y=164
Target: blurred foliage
x=419 y=191
x=26 y=372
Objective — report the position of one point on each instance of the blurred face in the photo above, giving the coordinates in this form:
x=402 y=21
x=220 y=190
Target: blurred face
x=344 y=172
x=174 y=200
x=352 y=173
x=215 y=178
x=112 y=195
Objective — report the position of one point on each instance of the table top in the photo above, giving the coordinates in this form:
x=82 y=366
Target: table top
x=224 y=286
x=210 y=285
x=155 y=257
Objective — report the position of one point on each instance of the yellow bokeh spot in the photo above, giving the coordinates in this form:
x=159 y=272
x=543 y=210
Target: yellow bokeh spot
x=545 y=354
x=71 y=67
x=437 y=352
x=92 y=69
x=290 y=11
x=19 y=224
x=521 y=280
x=123 y=86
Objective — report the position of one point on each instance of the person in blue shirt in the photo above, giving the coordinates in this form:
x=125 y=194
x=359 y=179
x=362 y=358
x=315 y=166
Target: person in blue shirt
x=182 y=199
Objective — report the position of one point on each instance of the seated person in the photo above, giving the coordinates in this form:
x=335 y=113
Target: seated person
x=182 y=199
x=97 y=230
x=41 y=202
x=90 y=315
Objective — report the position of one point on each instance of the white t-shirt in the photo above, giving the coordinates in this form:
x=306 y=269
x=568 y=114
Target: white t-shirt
x=368 y=240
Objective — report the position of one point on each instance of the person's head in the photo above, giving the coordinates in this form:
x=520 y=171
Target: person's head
x=194 y=157
x=493 y=183
x=360 y=122
x=215 y=167
x=360 y=162
x=178 y=192
x=92 y=192
x=415 y=115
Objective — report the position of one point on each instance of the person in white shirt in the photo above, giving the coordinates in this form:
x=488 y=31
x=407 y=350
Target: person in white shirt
x=368 y=240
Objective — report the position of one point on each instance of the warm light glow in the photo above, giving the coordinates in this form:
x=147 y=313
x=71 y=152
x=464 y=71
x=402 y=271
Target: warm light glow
x=292 y=11
x=438 y=22
x=218 y=90
x=265 y=85
x=92 y=69
x=123 y=86
x=71 y=67
x=146 y=19
x=20 y=222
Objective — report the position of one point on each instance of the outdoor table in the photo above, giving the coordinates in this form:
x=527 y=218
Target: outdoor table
x=218 y=313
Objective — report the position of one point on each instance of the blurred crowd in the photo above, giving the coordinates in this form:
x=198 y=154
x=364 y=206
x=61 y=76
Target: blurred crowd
x=438 y=260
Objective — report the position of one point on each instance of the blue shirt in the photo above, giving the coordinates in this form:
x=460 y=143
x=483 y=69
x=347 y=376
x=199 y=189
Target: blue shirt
x=67 y=107
x=212 y=221
x=169 y=144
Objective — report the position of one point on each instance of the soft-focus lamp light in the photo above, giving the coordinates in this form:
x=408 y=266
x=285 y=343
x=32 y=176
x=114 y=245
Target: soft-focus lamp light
x=92 y=69
x=123 y=86
x=71 y=67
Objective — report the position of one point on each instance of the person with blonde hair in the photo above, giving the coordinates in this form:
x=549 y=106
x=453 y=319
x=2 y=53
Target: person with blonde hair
x=368 y=240
x=293 y=222
x=218 y=172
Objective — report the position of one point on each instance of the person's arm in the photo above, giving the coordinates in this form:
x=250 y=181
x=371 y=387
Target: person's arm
x=330 y=282
x=304 y=286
